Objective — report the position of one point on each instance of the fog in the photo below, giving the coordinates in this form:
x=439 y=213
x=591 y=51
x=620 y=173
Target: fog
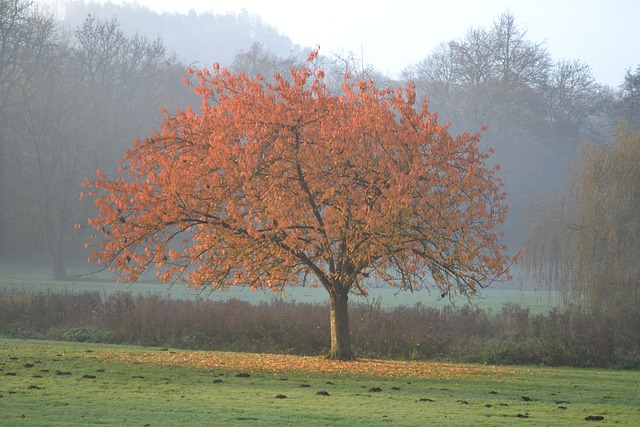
x=75 y=93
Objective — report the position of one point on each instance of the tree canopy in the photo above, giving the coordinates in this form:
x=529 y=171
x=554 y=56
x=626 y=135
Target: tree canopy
x=270 y=185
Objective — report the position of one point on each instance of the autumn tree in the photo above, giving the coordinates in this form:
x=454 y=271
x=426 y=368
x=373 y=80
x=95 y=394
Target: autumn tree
x=586 y=243
x=274 y=185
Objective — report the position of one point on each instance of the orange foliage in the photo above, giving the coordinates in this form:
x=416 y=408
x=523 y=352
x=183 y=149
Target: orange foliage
x=268 y=184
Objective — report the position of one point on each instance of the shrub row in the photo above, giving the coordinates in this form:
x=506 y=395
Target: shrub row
x=571 y=337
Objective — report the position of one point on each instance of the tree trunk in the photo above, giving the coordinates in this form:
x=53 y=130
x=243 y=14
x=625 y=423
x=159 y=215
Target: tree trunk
x=340 y=334
x=54 y=237
x=3 y=201
x=59 y=268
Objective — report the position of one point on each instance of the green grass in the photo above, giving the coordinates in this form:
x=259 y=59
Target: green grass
x=44 y=383
x=38 y=279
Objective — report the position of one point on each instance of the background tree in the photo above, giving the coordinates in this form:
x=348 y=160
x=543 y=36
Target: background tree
x=492 y=77
x=628 y=107
x=23 y=30
x=260 y=60
x=573 y=100
x=587 y=244
x=347 y=63
x=50 y=126
x=489 y=77
x=80 y=99
x=537 y=111
x=126 y=78
x=196 y=37
x=276 y=185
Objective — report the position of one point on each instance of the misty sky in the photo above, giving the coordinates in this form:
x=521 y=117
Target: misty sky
x=605 y=34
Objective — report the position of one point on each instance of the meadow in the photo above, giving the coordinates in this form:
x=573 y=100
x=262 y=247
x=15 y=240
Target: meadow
x=66 y=384
x=264 y=366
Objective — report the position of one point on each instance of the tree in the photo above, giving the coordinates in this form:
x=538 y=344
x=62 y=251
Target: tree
x=587 y=243
x=51 y=128
x=78 y=100
x=343 y=63
x=276 y=185
x=537 y=111
x=572 y=99
x=629 y=104
x=487 y=78
x=260 y=60
x=123 y=75
x=23 y=30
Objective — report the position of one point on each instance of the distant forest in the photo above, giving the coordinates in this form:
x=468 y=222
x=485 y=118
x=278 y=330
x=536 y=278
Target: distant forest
x=74 y=94
x=196 y=38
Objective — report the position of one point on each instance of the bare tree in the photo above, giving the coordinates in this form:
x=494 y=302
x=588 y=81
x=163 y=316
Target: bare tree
x=54 y=128
x=572 y=99
x=489 y=77
x=537 y=112
x=124 y=76
x=80 y=101
x=260 y=60
x=436 y=78
x=23 y=30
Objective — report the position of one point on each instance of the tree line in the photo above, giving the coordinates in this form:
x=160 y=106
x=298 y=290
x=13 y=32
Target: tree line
x=71 y=101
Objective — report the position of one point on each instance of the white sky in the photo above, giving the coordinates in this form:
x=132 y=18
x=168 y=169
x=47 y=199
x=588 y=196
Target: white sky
x=391 y=35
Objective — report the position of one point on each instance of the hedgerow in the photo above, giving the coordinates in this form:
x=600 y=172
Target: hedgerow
x=567 y=337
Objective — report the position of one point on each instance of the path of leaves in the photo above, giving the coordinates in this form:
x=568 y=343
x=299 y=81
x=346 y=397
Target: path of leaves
x=280 y=364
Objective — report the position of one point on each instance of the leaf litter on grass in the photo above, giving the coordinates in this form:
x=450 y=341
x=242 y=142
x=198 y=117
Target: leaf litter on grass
x=282 y=364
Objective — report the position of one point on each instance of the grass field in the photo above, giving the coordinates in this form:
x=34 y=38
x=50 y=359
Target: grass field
x=44 y=383
x=38 y=279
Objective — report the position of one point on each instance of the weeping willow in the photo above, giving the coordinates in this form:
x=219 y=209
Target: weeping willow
x=587 y=243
